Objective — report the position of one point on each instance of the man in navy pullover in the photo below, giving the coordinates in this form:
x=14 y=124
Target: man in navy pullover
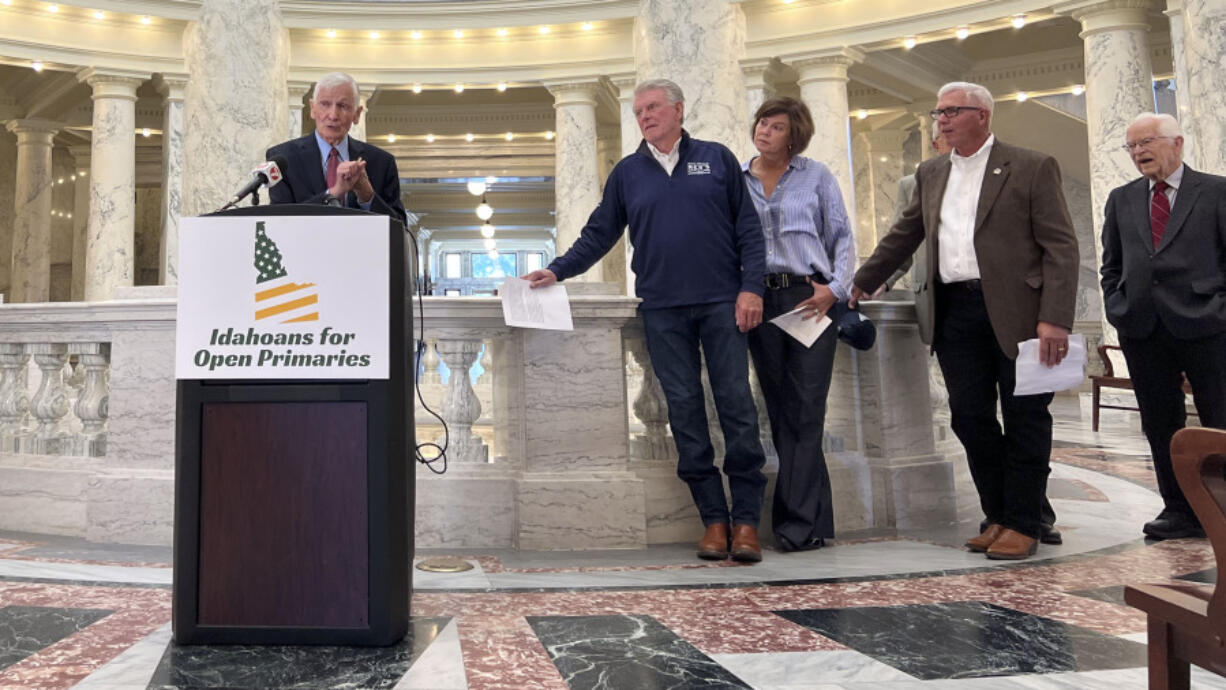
x=699 y=268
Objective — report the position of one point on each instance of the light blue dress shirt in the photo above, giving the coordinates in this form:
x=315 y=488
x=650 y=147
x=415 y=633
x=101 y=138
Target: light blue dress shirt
x=805 y=224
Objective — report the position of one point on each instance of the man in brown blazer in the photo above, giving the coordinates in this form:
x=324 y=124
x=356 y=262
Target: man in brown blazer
x=1001 y=268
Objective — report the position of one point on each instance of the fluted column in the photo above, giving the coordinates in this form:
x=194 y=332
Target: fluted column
x=295 y=92
x=577 y=179
x=1119 y=85
x=885 y=168
x=80 y=218
x=237 y=53
x=698 y=44
x=172 y=89
x=754 y=72
x=823 y=87
x=30 y=280
x=1204 y=45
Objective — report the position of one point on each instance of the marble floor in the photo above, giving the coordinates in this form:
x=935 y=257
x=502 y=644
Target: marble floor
x=888 y=611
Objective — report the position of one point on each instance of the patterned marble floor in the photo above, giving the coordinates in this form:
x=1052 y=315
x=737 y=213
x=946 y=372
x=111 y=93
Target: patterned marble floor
x=895 y=611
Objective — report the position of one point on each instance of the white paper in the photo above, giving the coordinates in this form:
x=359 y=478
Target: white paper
x=546 y=307
x=804 y=330
x=1033 y=377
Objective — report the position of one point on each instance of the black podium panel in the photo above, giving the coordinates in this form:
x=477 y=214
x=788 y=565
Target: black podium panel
x=294 y=498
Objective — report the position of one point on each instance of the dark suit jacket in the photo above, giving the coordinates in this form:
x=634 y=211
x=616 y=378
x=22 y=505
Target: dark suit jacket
x=304 y=179
x=1024 y=242
x=1183 y=281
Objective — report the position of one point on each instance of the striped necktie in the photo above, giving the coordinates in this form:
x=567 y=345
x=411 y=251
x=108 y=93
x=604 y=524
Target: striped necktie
x=1159 y=212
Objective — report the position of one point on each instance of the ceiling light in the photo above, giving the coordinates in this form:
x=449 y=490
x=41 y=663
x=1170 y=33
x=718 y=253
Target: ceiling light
x=490 y=243
x=37 y=66
x=502 y=86
x=1078 y=90
x=1019 y=21
x=484 y=210
x=862 y=114
x=70 y=215
x=962 y=32
x=510 y=136
x=487 y=230
x=417 y=88
x=391 y=138
x=146 y=20
x=99 y=14
x=73 y=178
x=908 y=42
x=587 y=26
x=373 y=35
x=476 y=187
x=469 y=137
x=331 y=33
x=429 y=138
x=53 y=8
x=415 y=35
x=60 y=181
x=145 y=133
x=457 y=33
x=543 y=30
x=548 y=136
x=788 y=2
x=1022 y=96
x=502 y=32
x=6 y=2
x=459 y=88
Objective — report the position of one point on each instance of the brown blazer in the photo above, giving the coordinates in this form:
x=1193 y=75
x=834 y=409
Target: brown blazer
x=1024 y=242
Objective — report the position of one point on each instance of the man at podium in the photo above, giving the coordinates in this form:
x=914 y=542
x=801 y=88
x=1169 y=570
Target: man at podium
x=328 y=166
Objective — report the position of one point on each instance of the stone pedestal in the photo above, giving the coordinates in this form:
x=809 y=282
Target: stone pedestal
x=577 y=178
x=173 y=90
x=30 y=280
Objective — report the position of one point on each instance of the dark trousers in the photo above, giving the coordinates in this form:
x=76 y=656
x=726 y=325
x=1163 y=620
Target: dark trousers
x=673 y=339
x=795 y=380
x=1009 y=465
x=1157 y=364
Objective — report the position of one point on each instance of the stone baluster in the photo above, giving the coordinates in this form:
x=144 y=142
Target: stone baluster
x=93 y=400
x=14 y=396
x=50 y=403
x=484 y=383
x=460 y=406
x=430 y=362
x=651 y=409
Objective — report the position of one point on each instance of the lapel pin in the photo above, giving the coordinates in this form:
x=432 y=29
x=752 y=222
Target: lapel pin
x=996 y=171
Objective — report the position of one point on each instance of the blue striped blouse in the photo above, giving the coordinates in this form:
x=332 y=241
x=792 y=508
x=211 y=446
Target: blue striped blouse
x=805 y=224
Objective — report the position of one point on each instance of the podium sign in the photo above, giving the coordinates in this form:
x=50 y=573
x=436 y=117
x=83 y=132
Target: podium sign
x=283 y=297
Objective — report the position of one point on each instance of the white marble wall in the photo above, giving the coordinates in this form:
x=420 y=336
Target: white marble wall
x=577 y=176
x=1119 y=85
x=885 y=160
x=823 y=87
x=31 y=267
x=112 y=184
x=1204 y=50
x=173 y=91
x=80 y=219
x=237 y=53
x=866 y=201
x=8 y=184
x=699 y=45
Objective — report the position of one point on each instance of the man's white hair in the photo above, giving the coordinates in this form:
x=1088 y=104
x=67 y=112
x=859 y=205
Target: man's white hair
x=1168 y=126
x=669 y=88
x=978 y=94
x=334 y=79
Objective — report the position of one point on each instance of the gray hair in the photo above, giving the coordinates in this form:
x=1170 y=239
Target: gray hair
x=1168 y=126
x=669 y=88
x=335 y=79
x=978 y=94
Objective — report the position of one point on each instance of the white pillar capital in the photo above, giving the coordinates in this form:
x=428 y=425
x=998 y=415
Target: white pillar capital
x=824 y=65
x=173 y=87
x=624 y=83
x=1097 y=16
x=574 y=92
x=112 y=83
x=33 y=130
x=754 y=70
x=297 y=90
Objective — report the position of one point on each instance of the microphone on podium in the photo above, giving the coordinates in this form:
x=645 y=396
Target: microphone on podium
x=269 y=173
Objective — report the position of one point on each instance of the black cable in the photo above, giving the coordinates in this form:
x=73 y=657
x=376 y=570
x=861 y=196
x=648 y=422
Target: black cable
x=418 y=352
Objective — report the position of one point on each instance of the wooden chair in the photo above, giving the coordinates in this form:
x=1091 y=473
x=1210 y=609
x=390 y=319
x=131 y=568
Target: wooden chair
x=1187 y=621
x=1108 y=379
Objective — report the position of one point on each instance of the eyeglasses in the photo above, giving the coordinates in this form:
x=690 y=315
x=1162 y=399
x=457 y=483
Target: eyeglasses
x=952 y=111
x=1143 y=144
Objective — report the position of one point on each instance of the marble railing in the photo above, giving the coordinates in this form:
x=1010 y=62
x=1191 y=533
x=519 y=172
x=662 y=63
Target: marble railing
x=555 y=440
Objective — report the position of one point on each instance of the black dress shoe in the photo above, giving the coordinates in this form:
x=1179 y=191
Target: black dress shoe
x=785 y=545
x=1173 y=527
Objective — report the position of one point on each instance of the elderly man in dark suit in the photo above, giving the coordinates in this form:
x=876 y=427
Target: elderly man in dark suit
x=328 y=166
x=1164 y=290
x=1001 y=268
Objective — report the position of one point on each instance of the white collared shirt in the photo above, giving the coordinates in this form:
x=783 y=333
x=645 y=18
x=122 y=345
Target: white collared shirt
x=1172 y=185
x=956 y=232
x=668 y=160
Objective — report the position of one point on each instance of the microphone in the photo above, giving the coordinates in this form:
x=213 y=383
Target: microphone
x=268 y=173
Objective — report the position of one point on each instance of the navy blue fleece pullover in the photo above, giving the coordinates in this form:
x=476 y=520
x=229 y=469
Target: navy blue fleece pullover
x=696 y=236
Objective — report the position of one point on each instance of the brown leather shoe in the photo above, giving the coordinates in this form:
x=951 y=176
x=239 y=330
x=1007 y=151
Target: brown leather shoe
x=745 y=546
x=714 y=544
x=981 y=543
x=1012 y=546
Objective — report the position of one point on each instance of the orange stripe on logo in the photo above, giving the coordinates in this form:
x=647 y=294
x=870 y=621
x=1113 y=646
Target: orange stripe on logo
x=313 y=316
x=281 y=290
x=287 y=306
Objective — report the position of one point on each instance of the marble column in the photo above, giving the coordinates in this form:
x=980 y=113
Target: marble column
x=925 y=134
x=631 y=137
x=1119 y=85
x=30 y=279
x=358 y=131
x=823 y=87
x=295 y=92
x=866 y=201
x=755 y=87
x=885 y=165
x=110 y=244
x=80 y=218
x=577 y=179
x=1174 y=13
x=698 y=44
x=172 y=90
x=1204 y=51
x=237 y=53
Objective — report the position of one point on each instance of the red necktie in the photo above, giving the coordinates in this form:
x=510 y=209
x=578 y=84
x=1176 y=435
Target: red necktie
x=1159 y=212
x=334 y=161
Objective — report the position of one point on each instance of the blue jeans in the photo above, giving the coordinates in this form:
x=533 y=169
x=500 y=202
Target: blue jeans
x=673 y=339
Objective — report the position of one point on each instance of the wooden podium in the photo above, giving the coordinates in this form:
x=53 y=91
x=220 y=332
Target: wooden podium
x=294 y=496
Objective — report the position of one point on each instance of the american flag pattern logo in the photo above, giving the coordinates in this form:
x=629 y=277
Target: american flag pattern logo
x=276 y=295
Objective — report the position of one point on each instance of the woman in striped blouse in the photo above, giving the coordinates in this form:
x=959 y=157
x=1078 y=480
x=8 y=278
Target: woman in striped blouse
x=810 y=259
